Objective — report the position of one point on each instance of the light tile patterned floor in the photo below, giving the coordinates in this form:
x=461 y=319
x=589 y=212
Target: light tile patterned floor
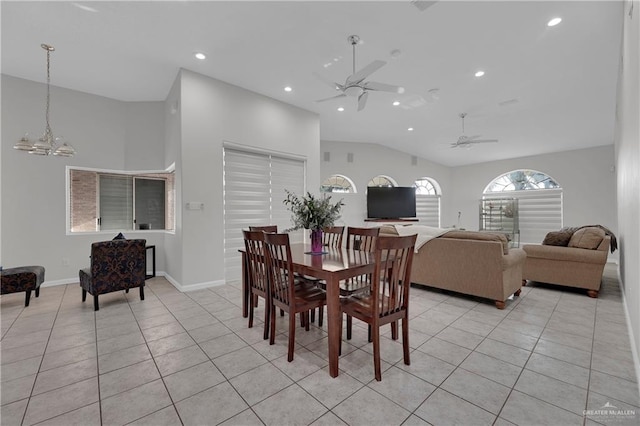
x=189 y=358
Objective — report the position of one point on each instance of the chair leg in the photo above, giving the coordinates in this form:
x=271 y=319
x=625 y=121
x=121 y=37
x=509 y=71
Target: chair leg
x=292 y=334
x=369 y=338
x=306 y=320
x=126 y=290
x=281 y=312
x=320 y=315
x=251 y=308
x=272 y=325
x=267 y=314
x=142 y=292
x=37 y=291
x=95 y=303
x=376 y=353
x=313 y=315
x=394 y=330
x=27 y=297
x=405 y=340
x=349 y=326
x=84 y=295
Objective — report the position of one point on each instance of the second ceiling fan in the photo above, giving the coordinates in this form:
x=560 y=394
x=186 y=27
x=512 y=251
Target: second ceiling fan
x=465 y=141
x=355 y=85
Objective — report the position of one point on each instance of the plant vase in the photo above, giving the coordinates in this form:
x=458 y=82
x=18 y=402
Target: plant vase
x=316 y=241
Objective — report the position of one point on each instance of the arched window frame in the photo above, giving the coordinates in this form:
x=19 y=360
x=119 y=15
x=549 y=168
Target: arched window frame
x=428 y=201
x=336 y=182
x=382 y=180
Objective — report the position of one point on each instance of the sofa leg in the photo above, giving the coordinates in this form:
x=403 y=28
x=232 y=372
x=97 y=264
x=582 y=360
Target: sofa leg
x=126 y=290
x=142 y=292
x=27 y=297
x=95 y=303
x=84 y=295
x=37 y=291
x=499 y=304
x=517 y=293
x=593 y=293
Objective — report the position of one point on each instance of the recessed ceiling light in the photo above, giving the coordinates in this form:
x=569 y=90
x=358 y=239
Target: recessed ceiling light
x=554 y=22
x=340 y=109
x=396 y=103
x=288 y=89
x=479 y=73
x=200 y=55
x=410 y=129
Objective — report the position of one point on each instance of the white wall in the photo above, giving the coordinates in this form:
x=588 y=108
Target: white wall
x=628 y=167
x=587 y=177
x=370 y=160
x=33 y=187
x=213 y=112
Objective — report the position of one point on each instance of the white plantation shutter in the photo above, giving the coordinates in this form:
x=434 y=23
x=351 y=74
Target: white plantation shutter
x=428 y=210
x=254 y=186
x=540 y=212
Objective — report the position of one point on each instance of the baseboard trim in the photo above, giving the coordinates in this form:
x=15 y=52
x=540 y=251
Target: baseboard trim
x=63 y=281
x=191 y=287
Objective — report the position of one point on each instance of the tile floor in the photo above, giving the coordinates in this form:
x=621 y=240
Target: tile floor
x=189 y=358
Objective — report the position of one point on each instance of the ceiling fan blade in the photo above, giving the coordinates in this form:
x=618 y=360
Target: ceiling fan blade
x=365 y=72
x=382 y=87
x=333 y=85
x=342 y=95
x=483 y=141
x=362 y=100
x=470 y=138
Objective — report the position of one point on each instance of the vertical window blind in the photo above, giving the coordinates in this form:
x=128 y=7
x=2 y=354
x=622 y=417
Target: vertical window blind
x=254 y=185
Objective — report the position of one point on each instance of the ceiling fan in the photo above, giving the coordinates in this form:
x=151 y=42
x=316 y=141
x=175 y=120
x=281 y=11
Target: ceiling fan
x=355 y=85
x=468 y=141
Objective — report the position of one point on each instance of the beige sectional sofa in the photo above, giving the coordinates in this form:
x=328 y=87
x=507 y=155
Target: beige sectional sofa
x=579 y=264
x=474 y=263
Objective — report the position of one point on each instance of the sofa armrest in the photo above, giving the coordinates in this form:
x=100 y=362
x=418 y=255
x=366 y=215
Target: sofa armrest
x=515 y=257
x=569 y=254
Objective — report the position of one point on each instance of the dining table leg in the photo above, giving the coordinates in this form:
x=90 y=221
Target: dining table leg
x=245 y=287
x=334 y=323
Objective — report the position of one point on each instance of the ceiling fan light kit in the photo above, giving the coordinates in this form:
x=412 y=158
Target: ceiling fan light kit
x=355 y=85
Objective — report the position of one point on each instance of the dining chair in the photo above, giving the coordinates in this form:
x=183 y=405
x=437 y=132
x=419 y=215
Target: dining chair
x=257 y=274
x=286 y=291
x=265 y=228
x=388 y=300
x=332 y=236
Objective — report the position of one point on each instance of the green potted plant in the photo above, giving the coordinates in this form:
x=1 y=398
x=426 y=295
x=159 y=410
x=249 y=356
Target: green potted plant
x=312 y=213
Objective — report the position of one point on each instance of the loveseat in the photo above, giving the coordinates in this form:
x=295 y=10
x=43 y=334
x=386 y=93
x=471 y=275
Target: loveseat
x=572 y=259
x=474 y=263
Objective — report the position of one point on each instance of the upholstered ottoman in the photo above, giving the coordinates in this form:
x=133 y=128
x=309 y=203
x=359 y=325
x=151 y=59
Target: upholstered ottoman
x=23 y=278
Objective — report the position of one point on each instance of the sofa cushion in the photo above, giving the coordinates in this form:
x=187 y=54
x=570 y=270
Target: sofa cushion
x=557 y=238
x=587 y=238
x=481 y=236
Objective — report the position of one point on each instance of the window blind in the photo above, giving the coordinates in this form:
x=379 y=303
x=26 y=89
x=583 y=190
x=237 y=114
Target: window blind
x=428 y=210
x=254 y=186
x=116 y=202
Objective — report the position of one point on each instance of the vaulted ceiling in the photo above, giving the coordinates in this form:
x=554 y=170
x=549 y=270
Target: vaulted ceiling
x=545 y=89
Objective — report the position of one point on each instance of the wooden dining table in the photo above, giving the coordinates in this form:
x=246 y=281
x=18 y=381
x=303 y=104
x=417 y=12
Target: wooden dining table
x=335 y=265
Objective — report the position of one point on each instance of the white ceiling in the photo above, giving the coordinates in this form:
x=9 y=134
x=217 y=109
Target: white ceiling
x=563 y=78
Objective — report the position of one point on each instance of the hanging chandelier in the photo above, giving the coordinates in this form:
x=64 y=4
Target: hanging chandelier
x=47 y=144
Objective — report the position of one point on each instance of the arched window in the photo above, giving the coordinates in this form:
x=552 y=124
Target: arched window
x=382 y=180
x=539 y=203
x=338 y=183
x=427 y=201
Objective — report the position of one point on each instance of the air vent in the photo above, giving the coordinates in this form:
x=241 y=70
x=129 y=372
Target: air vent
x=327 y=156
x=350 y=157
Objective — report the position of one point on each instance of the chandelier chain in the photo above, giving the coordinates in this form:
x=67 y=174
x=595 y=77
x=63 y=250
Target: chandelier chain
x=48 y=128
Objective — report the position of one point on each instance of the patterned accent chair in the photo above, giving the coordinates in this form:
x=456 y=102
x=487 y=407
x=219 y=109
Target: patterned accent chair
x=23 y=278
x=115 y=265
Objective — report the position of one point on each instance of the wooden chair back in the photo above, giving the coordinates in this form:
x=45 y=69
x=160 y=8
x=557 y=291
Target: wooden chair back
x=392 y=276
x=332 y=236
x=362 y=238
x=266 y=228
x=256 y=265
x=280 y=270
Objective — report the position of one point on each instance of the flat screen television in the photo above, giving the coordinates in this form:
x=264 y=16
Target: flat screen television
x=391 y=203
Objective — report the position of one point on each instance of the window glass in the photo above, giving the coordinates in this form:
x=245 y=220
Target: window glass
x=522 y=180
x=424 y=186
x=381 y=180
x=338 y=183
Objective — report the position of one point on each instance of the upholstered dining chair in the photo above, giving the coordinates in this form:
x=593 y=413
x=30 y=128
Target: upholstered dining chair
x=388 y=300
x=115 y=265
x=287 y=291
x=257 y=274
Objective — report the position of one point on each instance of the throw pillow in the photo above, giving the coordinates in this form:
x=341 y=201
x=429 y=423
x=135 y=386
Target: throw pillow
x=557 y=238
x=120 y=237
x=587 y=238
